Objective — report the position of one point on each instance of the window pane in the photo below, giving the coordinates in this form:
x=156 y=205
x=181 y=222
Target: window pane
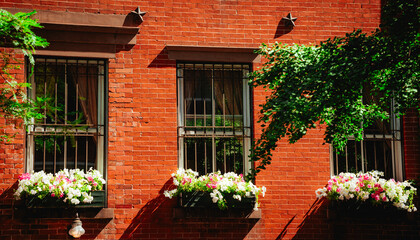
x=70 y=139
x=39 y=153
x=81 y=152
x=212 y=106
x=71 y=152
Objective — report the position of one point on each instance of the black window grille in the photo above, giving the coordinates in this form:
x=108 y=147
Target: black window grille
x=380 y=149
x=214 y=125
x=72 y=134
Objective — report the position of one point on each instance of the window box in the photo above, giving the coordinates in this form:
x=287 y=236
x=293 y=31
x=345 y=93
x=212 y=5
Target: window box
x=355 y=210
x=203 y=200
x=35 y=202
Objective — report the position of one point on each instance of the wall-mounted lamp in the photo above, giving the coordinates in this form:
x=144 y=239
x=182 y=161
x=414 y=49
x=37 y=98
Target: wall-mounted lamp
x=289 y=20
x=76 y=230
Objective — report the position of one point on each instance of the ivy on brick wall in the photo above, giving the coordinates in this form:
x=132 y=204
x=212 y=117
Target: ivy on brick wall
x=16 y=32
x=344 y=83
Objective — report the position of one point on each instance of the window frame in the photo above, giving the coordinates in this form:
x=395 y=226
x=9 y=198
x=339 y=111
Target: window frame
x=247 y=116
x=397 y=148
x=102 y=115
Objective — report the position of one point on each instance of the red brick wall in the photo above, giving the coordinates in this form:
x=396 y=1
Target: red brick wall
x=142 y=141
x=411 y=125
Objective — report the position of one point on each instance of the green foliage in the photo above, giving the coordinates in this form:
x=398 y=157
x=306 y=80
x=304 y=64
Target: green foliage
x=344 y=83
x=16 y=31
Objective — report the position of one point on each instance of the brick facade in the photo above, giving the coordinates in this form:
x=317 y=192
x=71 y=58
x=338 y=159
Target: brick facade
x=142 y=131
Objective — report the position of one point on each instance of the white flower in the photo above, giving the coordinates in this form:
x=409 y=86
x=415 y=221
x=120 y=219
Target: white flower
x=75 y=201
x=237 y=197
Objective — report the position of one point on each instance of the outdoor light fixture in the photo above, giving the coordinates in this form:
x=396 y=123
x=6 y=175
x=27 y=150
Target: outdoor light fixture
x=289 y=20
x=76 y=230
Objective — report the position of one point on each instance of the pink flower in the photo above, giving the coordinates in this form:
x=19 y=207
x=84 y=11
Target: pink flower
x=95 y=184
x=329 y=188
x=339 y=189
x=90 y=179
x=52 y=194
x=61 y=195
x=25 y=176
x=357 y=189
x=369 y=186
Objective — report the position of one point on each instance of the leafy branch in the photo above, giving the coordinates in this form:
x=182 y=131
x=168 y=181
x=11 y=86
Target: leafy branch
x=344 y=83
x=16 y=31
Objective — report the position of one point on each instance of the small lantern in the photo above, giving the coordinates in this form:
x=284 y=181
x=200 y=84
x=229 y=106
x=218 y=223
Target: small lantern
x=76 y=230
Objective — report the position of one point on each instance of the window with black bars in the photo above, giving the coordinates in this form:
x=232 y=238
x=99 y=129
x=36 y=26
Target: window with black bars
x=380 y=149
x=72 y=133
x=214 y=126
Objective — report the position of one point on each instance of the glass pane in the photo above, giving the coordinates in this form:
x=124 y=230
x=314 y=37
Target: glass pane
x=81 y=152
x=61 y=94
x=199 y=154
x=229 y=155
x=92 y=141
x=50 y=94
x=71 y=152
x=49 y=149
x=39 y=153
x=71 y=92
x=189 y=153
x=59 y=153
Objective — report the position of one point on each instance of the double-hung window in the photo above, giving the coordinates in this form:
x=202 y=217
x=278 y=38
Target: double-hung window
x=214 y=123
x=380 y=150
x=72 y=133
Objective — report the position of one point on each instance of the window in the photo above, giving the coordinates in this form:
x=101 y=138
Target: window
x=380 y=150
x=214 y=126
x=72 y=134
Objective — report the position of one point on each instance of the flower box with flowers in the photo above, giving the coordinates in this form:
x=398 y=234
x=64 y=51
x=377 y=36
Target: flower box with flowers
x=224 y=191
x=66 y=188
x=367 y=194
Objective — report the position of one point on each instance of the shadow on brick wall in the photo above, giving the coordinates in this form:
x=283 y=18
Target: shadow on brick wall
x=282 y=29
x=162 y=60
x=156 y=221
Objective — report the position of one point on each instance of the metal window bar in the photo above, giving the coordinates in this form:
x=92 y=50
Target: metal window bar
x=52 y=130
x=201 y=132
x=373 y=142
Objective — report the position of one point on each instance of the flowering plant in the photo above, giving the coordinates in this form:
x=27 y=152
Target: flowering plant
x=370 y=187
x=217 y=184
x=66 y=186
